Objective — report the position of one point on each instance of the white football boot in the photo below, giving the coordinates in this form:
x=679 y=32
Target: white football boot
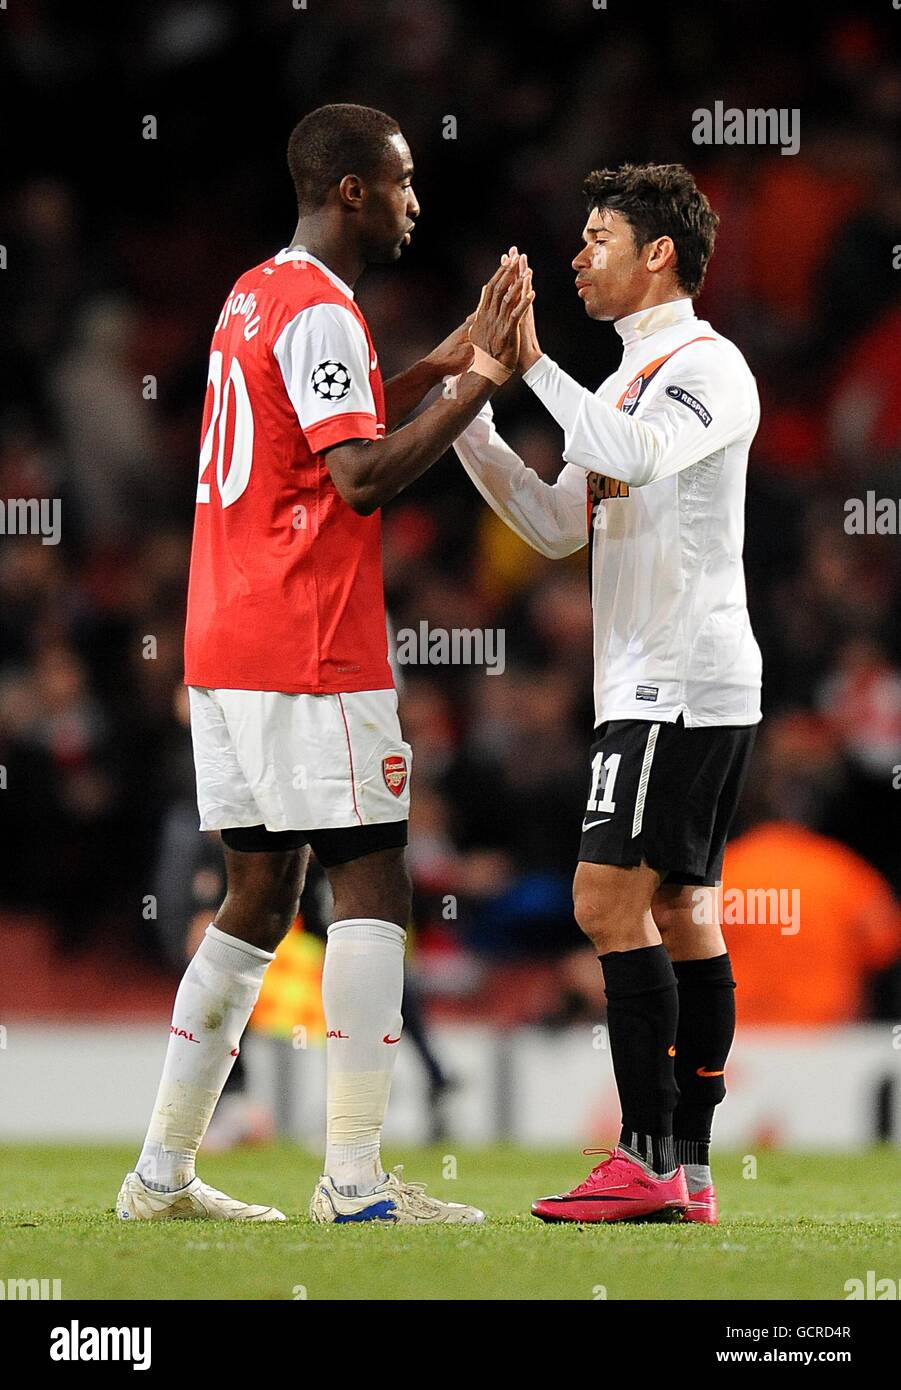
x=198 y=1201
x=394 y=1202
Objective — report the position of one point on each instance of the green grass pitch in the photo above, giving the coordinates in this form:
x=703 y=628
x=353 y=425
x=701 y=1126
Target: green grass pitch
x=800 y=1229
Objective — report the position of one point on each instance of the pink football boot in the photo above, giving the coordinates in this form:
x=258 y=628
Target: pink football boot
x=702 y=1206
x=618 y=1189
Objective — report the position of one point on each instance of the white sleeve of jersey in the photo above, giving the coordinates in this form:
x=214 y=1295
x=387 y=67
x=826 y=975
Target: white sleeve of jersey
x=700 y=404
x=324 y=360
x=551 y=517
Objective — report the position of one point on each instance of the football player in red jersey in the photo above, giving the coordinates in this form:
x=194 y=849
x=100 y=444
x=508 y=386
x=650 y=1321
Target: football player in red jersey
x=297 y=745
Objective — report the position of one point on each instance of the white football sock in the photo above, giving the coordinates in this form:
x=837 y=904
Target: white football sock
x=214 y=1001
x=362 y=992
x=698 y=1176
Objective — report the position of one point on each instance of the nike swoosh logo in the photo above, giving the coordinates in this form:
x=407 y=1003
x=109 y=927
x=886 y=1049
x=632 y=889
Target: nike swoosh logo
x=702 y=1071
x=589 y=825
x=373 y=364
x=593 y=1197
x=386 y=1039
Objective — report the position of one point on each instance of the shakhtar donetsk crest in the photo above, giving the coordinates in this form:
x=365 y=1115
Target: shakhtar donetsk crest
x=630 y=399
x=394 y=771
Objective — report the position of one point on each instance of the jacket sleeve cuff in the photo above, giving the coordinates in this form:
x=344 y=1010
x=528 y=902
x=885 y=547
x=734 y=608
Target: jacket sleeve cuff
x=537 y=370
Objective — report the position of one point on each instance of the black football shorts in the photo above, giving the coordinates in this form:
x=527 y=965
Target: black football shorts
x=664 y=795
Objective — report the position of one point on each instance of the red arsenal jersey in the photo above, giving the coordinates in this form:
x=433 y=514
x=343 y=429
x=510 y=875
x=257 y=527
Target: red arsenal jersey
x=286 y=588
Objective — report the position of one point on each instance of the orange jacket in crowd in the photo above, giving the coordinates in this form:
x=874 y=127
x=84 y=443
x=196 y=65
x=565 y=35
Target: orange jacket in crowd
x=833 y=922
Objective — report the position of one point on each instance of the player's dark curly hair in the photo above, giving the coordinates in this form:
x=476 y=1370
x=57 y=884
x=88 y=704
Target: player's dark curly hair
x=333 y=141
x=660 y=200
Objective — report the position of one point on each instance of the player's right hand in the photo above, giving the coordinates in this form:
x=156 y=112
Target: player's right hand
x=505 y=299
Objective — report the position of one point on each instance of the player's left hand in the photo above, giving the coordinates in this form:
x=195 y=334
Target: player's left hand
x=501 y=307
x=454 y=353
x=529 y=349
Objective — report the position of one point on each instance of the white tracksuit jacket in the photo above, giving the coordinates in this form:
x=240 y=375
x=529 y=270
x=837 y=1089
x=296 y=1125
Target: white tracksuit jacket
x=655 y=482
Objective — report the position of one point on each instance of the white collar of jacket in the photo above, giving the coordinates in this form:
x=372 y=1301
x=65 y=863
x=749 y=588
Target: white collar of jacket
x=634 y=328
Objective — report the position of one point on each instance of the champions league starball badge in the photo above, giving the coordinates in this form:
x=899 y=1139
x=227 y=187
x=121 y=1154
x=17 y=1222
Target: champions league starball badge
x=331 y=381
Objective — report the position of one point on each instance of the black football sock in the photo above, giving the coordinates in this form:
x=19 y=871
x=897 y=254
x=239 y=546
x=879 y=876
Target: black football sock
x=656 y=1151
x=703 y=1039
x=642 y=1017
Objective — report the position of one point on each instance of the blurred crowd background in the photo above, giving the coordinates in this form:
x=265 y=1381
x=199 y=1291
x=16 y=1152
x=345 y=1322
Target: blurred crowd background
x=120 y=251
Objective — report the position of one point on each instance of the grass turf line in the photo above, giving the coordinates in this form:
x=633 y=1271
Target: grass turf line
x=800 y=1229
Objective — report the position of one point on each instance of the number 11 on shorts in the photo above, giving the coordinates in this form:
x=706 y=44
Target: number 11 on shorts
x=603 y=781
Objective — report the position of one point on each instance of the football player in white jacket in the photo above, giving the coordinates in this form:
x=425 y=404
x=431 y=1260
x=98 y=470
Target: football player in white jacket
x=654 y=486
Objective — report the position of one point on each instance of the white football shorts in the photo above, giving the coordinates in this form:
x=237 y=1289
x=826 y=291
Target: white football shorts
x=298 y=762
